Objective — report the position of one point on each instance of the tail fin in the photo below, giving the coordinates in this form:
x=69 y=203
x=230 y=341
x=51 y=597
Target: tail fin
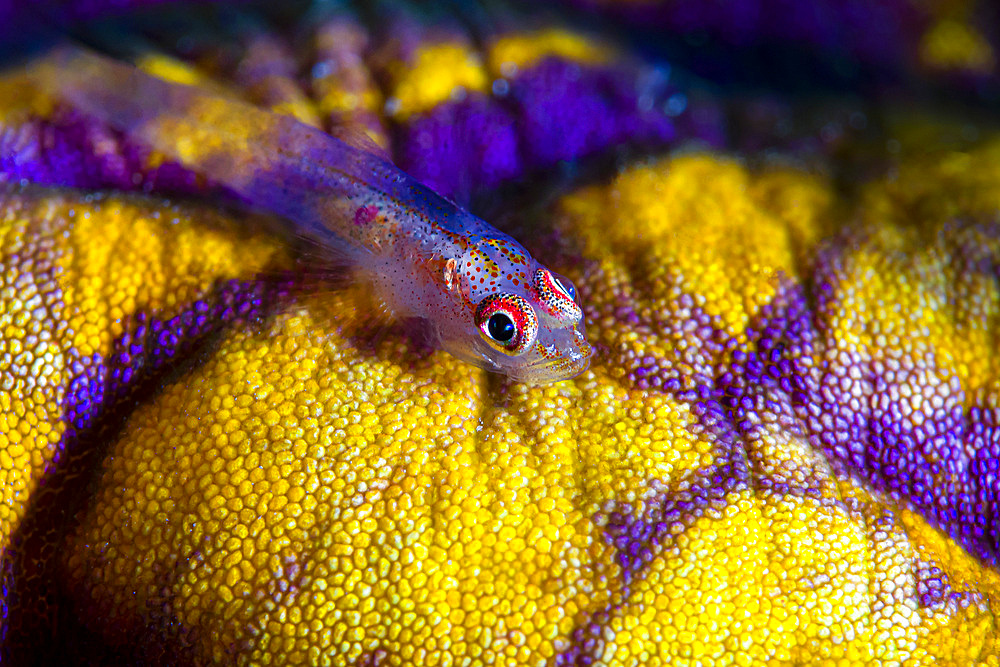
x=274 y=162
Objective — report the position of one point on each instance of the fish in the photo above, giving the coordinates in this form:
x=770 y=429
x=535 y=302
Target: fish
x=480 y=294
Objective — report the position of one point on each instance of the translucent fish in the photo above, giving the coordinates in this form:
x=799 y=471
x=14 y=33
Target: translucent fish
x=483 y=297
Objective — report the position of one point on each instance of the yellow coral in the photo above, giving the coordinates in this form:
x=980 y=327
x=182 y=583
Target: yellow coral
x=318 y=490
x=951 y=44
x=520 y=50
x=435 y=74
x=75 y=269
x=317 y=499
x=344 y=503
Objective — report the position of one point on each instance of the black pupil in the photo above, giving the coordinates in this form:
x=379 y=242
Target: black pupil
x=500 y=327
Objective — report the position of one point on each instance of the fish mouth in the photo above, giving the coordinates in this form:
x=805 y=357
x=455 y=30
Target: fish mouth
x=542 y=371
x=560 y=368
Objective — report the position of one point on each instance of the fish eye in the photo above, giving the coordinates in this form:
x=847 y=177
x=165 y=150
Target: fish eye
x=500 y=328
x=567 y=287
x=507 y=322
x=557 y=296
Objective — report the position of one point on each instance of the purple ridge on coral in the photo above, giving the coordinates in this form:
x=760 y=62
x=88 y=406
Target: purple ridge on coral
x=85 y=393
x=982 y=510
x=567 y=110
x=98 y=396
x=150 y=345
x=940 y=458
x=640 y=539
x=556 y=110
x=694 y=364
x=74 y=151
x=637 y=539
x=918 y=451
x=460 y=148
x=7 y=589
x=860 y=412
x=934 y=591
x=586 y=641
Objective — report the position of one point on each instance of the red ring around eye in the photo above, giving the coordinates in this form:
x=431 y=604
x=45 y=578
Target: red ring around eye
x=506 y=309
x=555 y=299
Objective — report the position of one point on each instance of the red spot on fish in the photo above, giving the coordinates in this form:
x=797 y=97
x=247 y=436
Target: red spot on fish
x=365 y=215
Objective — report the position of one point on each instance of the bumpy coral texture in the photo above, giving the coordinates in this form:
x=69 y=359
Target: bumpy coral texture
x=74 y=271
x=785 y=450
x=303 y=495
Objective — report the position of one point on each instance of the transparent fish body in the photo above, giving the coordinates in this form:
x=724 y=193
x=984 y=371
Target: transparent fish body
x=483 y=297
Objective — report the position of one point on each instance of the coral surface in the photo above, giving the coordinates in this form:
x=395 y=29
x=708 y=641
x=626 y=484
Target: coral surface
x=786 y=449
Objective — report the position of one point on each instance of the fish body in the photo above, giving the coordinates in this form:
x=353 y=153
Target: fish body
x=485 y=299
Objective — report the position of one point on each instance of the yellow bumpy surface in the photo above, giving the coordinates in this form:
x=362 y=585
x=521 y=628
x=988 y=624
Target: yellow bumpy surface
x=324 y=492
x=316 y=487
x=73 y=269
